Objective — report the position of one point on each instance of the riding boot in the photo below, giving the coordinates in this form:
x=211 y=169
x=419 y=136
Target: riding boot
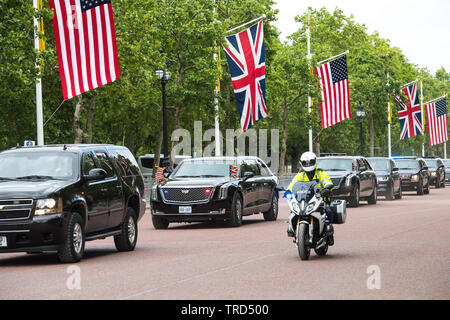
x=290 y=231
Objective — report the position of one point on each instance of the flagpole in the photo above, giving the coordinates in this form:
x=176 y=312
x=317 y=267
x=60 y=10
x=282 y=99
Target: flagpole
x=216 y=105
x=309 y=57
x=244 y=24
x=389 y=121
x=335 y=57
x=434 y=100
x=39 y=113
x=445 y=142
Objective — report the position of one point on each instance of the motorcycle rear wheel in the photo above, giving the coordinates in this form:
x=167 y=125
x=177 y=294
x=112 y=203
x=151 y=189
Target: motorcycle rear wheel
x=302 y=235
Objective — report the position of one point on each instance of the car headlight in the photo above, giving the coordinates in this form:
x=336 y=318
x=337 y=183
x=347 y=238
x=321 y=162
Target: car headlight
x=154 y=194
x=48 y=206
x=348 y=181
x=383 y=179
x=223 y=191
x=414 y=177
x=433 y=174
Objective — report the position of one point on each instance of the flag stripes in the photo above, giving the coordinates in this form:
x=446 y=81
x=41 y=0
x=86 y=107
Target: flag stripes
x=86 y=45
x=335 y=106
x=437 y=122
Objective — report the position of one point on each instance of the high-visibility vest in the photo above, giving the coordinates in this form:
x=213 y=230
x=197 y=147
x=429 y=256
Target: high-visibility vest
x=322 y=176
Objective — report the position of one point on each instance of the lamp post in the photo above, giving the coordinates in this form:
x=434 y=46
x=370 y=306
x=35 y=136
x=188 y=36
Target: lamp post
x=164 y=77
x=361 y=113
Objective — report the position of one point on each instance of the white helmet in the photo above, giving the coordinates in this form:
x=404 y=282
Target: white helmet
x=309 y=161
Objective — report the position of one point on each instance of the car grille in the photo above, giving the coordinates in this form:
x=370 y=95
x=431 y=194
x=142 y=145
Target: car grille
x=15 y=209
x=187 y=194
x=336 y=181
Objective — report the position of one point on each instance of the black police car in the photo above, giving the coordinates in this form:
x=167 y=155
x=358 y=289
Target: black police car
x=54 y=198
x=437 y=171
x=215 y=189
x=389 y=182
x=414 y=174
x=353 y=178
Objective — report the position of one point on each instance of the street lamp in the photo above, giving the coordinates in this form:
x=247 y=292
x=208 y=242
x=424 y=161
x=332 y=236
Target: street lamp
x=361 y=113
x=164 y=77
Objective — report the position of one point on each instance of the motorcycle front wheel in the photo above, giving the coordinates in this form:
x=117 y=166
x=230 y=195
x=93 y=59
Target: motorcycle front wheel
x=302 y=235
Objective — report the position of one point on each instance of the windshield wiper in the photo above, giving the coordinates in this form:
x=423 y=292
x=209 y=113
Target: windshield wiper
x=35 y=176
x=8 y=179
x=210 y=176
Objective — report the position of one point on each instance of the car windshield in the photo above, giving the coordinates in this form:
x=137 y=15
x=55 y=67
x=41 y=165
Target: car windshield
x=335 y=164
x=379 y=164
x=202 y=168
x=38 y=165
x=407 y=164
x=431 y=163
x=446 y=163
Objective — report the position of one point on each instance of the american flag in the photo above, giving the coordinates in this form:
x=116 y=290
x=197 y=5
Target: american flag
x=247 y=62
x=86 y=44
x=159 y=173
x=437 y=121
x=410 y=115
x=335 y=106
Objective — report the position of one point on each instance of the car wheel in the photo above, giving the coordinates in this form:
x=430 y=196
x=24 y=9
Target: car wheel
x=354 y=199
x=236 y=211
x=272 y=213
x=127 y=239
x=72 y=249
x=390 y=192
x=373 y=197
x=160 y=223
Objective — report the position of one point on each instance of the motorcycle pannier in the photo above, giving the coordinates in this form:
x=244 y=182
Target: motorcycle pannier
x=339 y=208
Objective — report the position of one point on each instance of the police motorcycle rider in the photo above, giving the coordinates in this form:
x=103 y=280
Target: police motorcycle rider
x=310 y=172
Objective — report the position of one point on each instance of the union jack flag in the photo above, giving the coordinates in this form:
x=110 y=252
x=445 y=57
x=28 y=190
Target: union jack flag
x=410 y=115
x=247 y=62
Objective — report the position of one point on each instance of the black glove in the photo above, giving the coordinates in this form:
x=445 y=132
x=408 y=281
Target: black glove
x=325 y=192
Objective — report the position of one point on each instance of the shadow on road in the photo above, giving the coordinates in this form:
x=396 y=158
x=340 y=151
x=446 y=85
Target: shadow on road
x=212 y=225
x=44 y=259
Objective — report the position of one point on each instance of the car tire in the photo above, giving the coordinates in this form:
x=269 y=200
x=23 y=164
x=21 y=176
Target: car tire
x=373 y=197
x=427 y=189
x=390 y=192
x=160 y=223
x=236 y=211
x=72 y=249
x=272 y=213
x=354 y=199
x=127 y=239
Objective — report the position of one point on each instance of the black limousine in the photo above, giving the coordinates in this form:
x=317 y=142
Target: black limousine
x=215 y=189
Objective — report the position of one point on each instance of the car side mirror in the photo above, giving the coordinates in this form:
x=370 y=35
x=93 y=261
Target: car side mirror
x=394 y=169
x=96 y=174
x=425 y=168
x=248 y=174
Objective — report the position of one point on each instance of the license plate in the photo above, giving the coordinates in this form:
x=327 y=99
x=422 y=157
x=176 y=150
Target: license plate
x=3 y=241
x=185 y=209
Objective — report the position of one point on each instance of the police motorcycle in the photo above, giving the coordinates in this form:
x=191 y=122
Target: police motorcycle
x=308 y=215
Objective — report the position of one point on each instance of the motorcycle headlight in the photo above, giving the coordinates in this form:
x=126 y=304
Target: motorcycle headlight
x=414 y=177
x=310 y=207
x=48 y=206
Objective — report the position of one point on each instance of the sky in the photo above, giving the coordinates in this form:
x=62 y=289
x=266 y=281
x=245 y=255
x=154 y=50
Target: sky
x=421 y=29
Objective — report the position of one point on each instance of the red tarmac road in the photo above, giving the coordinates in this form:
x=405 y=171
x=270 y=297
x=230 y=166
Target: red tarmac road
x=405 y=242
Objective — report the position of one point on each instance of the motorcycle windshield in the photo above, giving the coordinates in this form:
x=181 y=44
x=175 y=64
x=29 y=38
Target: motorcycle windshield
x=304 y=190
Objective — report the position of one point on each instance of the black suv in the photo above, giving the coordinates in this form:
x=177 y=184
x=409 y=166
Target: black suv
x=436 y=168
x=216 y=188
x=414 y=174
x=447 y=169
x=54 y=198
x=389 y=182
x=352 y=177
